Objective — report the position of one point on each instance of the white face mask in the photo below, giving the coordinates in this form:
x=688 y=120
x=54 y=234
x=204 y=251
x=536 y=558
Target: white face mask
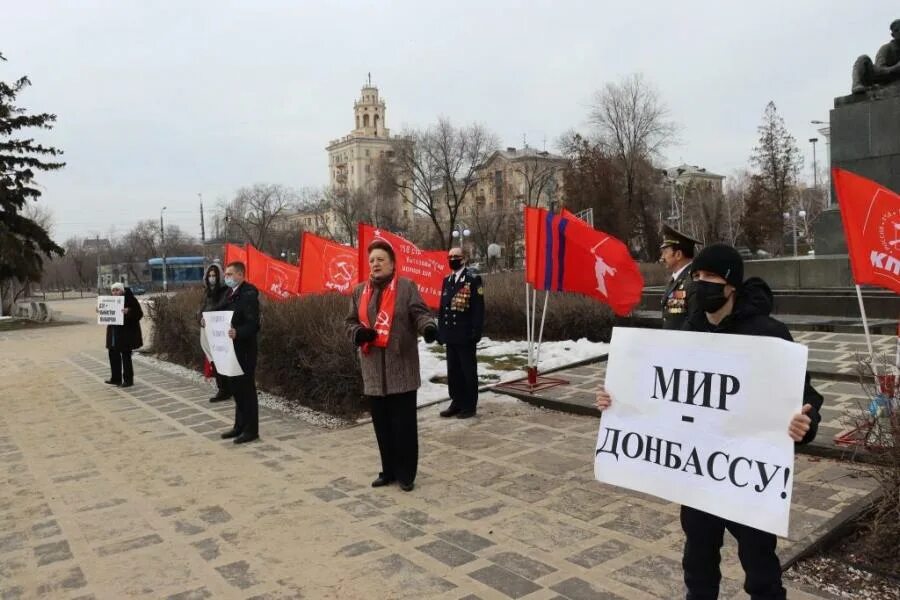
x=212 y=279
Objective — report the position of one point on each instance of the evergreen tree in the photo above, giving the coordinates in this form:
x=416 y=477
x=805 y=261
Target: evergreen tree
x=23 y=242
x=778 y=161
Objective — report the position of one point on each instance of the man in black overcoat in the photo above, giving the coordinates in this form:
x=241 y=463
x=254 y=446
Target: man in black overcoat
x=460 y=323
x=243 y=299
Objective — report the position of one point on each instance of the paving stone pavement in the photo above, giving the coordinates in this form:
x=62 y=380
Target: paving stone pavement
x=128 y=493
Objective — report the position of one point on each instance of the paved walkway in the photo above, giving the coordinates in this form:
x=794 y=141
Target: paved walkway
x=129 y=493
x=833 y=363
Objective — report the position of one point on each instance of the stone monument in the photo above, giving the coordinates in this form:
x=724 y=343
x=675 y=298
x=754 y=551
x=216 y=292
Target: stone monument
x=865 y=132
x=884 y=69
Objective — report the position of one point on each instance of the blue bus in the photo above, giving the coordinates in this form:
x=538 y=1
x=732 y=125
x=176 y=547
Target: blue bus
x=180 y=270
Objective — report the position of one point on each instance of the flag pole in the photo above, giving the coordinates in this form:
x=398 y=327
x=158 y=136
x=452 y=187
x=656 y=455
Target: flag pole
x=533 y=319
x=528 y=323
x=541 y=334
x=862 y=311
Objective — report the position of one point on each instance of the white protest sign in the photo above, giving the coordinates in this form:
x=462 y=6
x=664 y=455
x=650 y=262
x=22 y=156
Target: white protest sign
x=110 y=310
x=702 y=419
x=204 y=345
x=221 y=347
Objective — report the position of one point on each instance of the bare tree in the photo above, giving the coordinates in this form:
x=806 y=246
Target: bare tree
x=257 y=209
x=737 y=187
x=488 y=223
x=592 y=180
x=634 y=126
x=436 y=170
x=83 y=264
x=538 y=176
x=810 y=200
x=349 y=208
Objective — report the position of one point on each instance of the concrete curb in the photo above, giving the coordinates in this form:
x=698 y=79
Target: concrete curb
x=833 y=529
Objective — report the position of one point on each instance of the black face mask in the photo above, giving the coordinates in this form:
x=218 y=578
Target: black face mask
x=456 y=263
x=710 y=296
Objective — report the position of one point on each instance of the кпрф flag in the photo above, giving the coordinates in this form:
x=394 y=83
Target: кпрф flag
x=871 y=216
x=565 y=254
x=327 y=266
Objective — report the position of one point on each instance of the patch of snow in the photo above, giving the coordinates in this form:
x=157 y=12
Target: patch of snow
x=553 y=355
x=431 y=364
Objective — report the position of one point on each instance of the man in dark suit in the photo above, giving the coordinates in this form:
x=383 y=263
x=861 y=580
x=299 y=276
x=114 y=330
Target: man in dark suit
x=677 y=252
x=243 y=299
x=460 y=322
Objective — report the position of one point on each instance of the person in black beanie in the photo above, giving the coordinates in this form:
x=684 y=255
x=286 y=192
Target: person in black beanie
x=213 y=300
x=728 y=304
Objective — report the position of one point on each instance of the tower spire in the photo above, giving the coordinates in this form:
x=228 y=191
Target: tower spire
x=370 y=78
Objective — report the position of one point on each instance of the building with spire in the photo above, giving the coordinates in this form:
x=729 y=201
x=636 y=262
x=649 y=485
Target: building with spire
x=353 y=159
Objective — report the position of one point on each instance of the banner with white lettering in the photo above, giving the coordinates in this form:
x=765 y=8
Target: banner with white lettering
x=221 y=347
x=110 y=310
x=702 y=419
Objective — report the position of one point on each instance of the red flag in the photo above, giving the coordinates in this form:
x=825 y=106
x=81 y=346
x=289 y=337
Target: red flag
x=327 y=266
x=532 y=243
x=234 y=253
x=275 y=278
x=426 y=268
x=871 y=216
x=567 y=255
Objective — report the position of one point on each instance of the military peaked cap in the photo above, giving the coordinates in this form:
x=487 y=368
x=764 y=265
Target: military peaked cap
x=672 y=238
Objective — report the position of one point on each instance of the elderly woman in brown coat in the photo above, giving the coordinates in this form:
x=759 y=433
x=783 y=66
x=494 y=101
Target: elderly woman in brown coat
x=386 y=315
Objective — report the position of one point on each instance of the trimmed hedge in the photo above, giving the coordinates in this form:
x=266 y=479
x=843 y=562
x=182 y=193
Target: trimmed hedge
x=303 y=352
x=305 y=357
x=569 y=316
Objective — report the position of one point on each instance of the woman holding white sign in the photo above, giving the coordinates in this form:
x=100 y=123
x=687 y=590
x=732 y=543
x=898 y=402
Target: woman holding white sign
x=728 y=304
x=122 y=339
x=386 y=314
x=213 y=300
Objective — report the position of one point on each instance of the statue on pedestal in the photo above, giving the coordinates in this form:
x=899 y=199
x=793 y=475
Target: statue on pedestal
x=884 y=69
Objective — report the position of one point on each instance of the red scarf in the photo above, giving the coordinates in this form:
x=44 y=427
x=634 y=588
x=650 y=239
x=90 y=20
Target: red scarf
x=385 y=316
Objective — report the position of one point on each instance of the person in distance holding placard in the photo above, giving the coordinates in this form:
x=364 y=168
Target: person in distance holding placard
x=243 y=299
x=728 y=304
x=122 y=339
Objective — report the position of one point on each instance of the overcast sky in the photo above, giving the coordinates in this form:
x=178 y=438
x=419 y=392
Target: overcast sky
x=160 y=101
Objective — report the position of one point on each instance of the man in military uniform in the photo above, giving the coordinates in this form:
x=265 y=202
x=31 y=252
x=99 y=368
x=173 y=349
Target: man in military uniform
x=459 y=327
x=677 y=252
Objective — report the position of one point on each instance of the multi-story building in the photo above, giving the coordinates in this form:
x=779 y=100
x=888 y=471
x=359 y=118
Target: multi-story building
x=688 y=176
x=518 y=177
x=353 y=159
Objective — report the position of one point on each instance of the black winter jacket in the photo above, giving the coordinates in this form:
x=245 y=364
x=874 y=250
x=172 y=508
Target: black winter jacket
x=750 y=316
x=127 y=337
x=213 y=300
x=245 y=322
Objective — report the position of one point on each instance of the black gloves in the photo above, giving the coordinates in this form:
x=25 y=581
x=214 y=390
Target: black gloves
x=430 y=333
x=364 y=335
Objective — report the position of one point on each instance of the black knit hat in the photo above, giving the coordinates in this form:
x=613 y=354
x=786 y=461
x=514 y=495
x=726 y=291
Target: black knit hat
x=723 y=260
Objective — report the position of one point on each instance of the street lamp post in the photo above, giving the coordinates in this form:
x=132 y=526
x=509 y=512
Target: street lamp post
x=826 y=132
x=791 y=217
x=162 y=238
x=461 y=232
x=815 y=166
